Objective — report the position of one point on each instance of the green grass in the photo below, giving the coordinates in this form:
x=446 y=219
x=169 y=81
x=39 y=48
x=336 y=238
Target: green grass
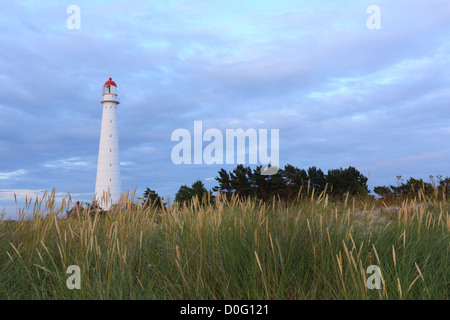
x=312 y=248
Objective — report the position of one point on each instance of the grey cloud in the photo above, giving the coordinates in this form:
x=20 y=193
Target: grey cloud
x=339 y=93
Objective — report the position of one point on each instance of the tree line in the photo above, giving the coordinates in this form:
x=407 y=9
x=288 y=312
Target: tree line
x=287 y=183
x=413 y=187
x=291 y=182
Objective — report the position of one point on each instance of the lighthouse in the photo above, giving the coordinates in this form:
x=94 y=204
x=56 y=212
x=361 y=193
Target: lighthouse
x=108 y=183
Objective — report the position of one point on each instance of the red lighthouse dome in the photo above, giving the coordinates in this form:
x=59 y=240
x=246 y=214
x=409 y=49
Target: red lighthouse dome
x=110 y=83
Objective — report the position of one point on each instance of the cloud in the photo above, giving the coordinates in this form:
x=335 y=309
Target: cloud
x=23 y=195
x=12 y=175
x=70 y=163
x=423 y=156
x=339 y=93
x=128 y=164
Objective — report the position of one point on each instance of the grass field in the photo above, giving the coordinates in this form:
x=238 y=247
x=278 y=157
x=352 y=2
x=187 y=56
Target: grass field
x=311 y=248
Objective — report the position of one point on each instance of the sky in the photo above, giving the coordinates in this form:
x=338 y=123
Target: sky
x=340 y=93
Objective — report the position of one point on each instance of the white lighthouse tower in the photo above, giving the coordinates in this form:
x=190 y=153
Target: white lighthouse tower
x=108 y=184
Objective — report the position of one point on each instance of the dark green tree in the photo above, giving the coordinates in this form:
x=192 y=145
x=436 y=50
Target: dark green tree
x=277 y=185
x=384 y=192
x=261 y=184
x=186 y=193
x=199 y=190
x=348 y=180
x=152 y=198
x=224 y=183
x=183 y=194
x=413 y=186
x=444 y=184
x=316 y=179
x=295 y=179
x=241 y=180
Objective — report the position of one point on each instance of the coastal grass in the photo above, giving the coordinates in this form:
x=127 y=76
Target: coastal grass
x=308 y=248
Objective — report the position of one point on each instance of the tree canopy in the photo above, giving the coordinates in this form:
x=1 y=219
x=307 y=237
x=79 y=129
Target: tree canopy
x=288 y=182
x=186 y=193
x=152 y=198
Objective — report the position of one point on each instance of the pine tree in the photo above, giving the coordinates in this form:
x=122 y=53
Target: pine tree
x=199 y=190
x=316 y=179
x=241 y=180
x=261 y=184
x=224 y=183
x=183 y=194
x=296 y=179
x=186 y=193
x=152 y=198
x=348 y=180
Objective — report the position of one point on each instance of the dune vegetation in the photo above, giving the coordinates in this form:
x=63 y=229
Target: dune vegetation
x=229 y=248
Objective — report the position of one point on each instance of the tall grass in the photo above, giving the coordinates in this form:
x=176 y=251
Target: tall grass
x=311 y=248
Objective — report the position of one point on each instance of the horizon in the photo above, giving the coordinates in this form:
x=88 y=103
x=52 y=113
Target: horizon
x=340 y=94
